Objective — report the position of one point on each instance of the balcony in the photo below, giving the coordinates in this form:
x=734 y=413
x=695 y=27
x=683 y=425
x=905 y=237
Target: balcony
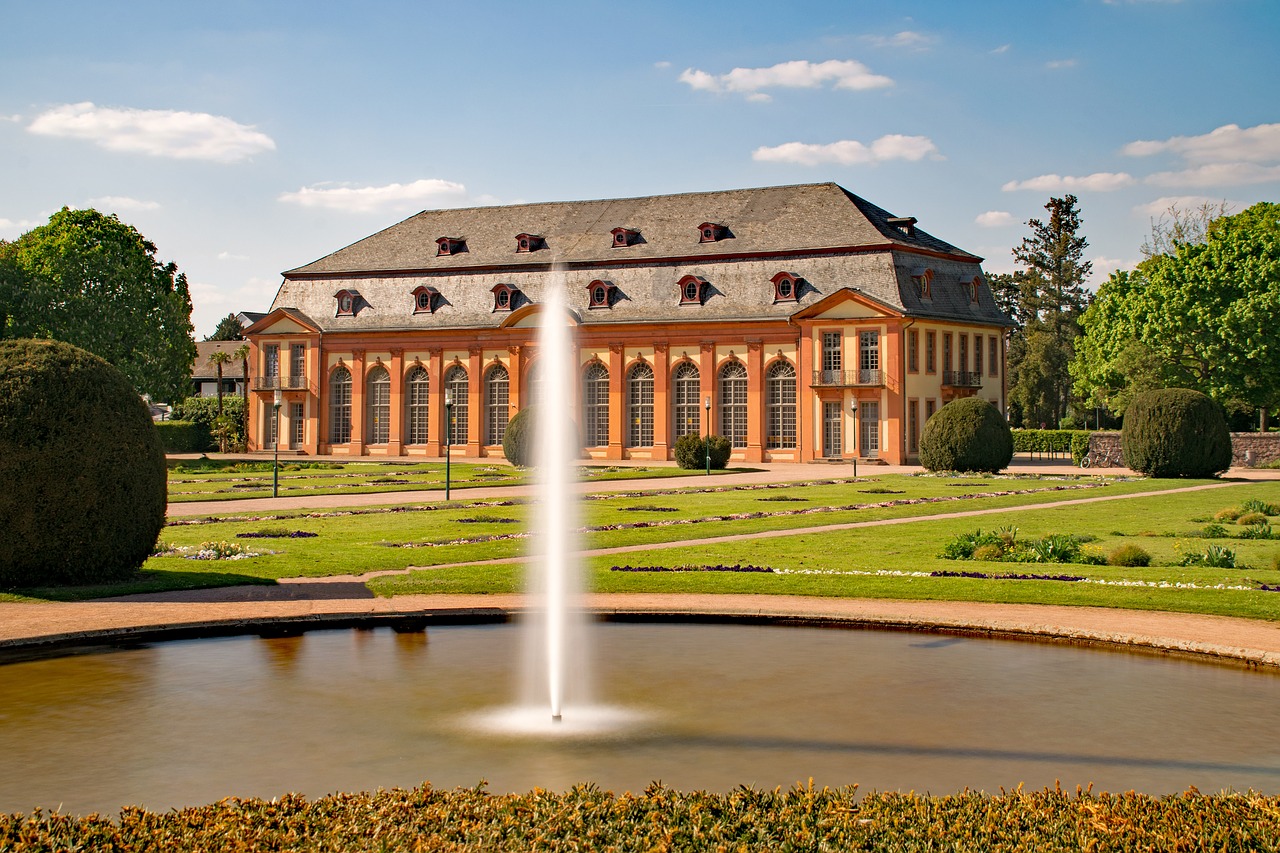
x=962 y=378
x=846 y=378
x=284 y=383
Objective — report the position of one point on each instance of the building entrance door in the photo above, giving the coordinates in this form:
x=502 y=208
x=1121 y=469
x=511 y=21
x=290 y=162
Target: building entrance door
x=832 y=419
x=870 y=429
x=297 y=425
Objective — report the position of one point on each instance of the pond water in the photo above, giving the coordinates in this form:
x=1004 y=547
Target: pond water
x=694 y=706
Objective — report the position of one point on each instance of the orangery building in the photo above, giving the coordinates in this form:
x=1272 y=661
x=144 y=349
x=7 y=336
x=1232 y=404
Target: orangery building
x=800 y=322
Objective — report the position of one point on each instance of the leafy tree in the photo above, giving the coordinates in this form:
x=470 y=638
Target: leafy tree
x=1202 y=316
x=1050 y=297
x=228 y=329
x=95 y=282
x=220 y=358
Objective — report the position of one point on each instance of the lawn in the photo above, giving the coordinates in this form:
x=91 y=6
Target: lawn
x=225 y=479
x=892 y=561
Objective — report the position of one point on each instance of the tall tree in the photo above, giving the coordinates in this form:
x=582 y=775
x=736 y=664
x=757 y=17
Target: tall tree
x=228 y=329
x=1050 y=299
x=242 y=355
x=1205 y=315
x=93 y=281
x=219 y=359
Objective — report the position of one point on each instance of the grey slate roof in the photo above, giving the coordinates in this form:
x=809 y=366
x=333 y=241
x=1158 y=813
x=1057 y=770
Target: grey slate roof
x=814 y=231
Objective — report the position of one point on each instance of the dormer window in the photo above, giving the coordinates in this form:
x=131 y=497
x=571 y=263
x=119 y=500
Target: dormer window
x=346 y=302
x=712 y=232
x=974 y=285
x=626 y=237
x=424 y=299
x=923 y=277
x=905 y=224
x=600 y=294
x=503 y=296
x=529 y=243
x=451 y=245
x=692 y=290
x=786 y=287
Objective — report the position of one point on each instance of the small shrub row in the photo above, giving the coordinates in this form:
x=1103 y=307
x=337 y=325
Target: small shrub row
x=1003 y=546
x=277 y=533
x=1213 y=557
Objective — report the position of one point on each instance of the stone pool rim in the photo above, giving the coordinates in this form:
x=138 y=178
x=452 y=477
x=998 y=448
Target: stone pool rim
x=691 y=609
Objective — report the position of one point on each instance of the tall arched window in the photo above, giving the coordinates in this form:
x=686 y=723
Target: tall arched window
x=595 y=406
x=379 y=406
x=455 y=385
x=340 y=406
x=733 y=403
x=640 y=406
x=686 y=386
x=418 y=383
x=496 y=404
x=780 y=396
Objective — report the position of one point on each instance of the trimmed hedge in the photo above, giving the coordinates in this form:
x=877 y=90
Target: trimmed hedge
x=1073 y=441
x=968 y=434
x=1175 y=432
x=182 y=436
x=203 y=411
x=588 y=818
x=82 y=466
x=691 y=451
x=517 y=441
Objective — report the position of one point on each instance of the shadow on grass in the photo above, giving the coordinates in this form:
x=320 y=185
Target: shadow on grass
x=143 y=582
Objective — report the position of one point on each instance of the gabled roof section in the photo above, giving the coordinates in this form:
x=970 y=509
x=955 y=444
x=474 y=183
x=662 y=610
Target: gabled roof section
x=843 y=295
x=264 y=325
x=800 y=218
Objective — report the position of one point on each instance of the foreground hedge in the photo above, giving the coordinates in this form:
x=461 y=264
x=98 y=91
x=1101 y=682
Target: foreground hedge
x=586 y=818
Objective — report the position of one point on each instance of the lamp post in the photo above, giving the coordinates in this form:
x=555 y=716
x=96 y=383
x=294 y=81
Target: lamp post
x=448 y=437
x=275 y=460
x=707 y=404
x=853 y=413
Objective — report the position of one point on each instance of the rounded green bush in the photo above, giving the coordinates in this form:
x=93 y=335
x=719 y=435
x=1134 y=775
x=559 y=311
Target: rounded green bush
x=1128 y=555
x=968 y=434
x=989 y=553
x=1175 y=432
x=82 y=466
x=691 y=451
x=517 y=441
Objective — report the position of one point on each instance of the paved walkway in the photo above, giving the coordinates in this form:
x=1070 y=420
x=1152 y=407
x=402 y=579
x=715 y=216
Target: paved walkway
x=316 y=601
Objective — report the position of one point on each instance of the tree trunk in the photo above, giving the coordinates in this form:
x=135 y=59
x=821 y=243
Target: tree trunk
x=219 y=389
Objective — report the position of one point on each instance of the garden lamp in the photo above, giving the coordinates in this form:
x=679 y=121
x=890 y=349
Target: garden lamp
x=448 y=436
x=853 y=413
x=707 y=404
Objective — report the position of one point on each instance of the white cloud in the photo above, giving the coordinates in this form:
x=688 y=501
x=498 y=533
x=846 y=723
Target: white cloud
x=1183 y=202
x=210 y=302
x=1004 y=48
x=797 y=74
x=1060 y=63
x=13 y=118
x=994 y=218
x=369 y=199
x=120 y=203
x=905 y=40
x=1229 y=143
x=1097 y=182
x=11 y=228
x=158 y=133
x=1217 y=175
x=231 y=256
x=1104 y=267
x=662 y=64
x=850 y=152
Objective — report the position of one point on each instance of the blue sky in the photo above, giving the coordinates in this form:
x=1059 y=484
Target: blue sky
x=245 y=139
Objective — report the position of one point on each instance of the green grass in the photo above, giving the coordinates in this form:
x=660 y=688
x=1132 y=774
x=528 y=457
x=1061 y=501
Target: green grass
x=372 y=539
x=225 y=480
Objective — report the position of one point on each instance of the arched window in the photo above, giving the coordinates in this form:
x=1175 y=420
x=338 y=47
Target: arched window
x=418 y=384
x=733 y=403
x=531 y=393
x=640 y=406
x=496 y=404
x=687 y=387
x=340 y=406
x=455 y=385
x=379 y=406
x=595 y=406
x=780 y=397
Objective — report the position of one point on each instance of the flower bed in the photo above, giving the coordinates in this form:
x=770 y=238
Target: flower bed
x=736 y=567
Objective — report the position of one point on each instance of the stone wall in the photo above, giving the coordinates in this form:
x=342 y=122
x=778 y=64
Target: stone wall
x=1248 y=449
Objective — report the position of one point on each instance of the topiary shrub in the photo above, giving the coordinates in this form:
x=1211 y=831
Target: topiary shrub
x=181 y=436
x=968 y=434
x=1175 y=432
x=517 y=441
x=1128 y=555
x=82 y=466
x=691 y=451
